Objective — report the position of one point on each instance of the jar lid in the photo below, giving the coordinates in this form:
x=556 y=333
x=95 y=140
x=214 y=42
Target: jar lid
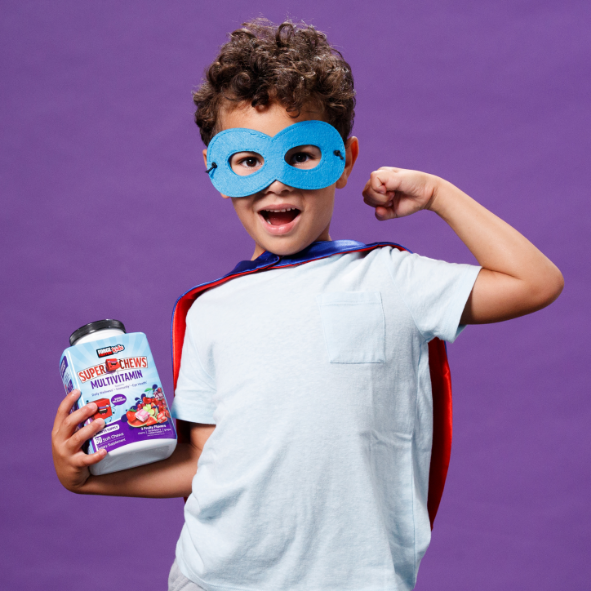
x=95 y=327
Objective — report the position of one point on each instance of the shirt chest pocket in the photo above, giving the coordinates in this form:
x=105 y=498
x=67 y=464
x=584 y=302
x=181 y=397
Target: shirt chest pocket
x=353 y=325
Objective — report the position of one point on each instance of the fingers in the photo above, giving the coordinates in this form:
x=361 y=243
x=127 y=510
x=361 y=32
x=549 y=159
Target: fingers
x=82 y=460
x=78 y=417
x=76 y=441
x=71 y=422
x=374 y=199
x=377 y=195
x=71 y=463
x=64 y=408
x=379 y=189
x=385 y=179
x=396 y=192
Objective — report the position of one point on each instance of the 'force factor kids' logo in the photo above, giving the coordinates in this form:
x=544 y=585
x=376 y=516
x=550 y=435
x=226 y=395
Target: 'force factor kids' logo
x=106 y=351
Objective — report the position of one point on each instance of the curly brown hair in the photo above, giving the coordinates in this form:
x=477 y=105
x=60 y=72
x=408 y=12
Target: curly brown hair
x=290 y=63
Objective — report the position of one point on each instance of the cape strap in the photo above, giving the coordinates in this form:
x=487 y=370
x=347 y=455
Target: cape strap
x=438 y=362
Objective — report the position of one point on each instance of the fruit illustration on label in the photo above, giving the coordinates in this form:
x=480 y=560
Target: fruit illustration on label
x=150 y=409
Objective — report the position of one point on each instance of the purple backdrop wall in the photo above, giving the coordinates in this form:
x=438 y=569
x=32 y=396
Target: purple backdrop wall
x=106 y=213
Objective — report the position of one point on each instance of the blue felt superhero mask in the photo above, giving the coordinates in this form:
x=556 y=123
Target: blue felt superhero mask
x=273 y=150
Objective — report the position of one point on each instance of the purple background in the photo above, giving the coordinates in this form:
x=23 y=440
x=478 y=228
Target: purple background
x=106 y=213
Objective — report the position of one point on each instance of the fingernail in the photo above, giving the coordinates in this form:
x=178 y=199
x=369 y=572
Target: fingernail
x=91 y=406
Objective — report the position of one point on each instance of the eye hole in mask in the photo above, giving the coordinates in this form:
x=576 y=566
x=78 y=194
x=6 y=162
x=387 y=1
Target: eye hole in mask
x=245 y=163
x=304 y=157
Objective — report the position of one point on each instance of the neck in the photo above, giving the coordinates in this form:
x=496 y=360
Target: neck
x=259 y=250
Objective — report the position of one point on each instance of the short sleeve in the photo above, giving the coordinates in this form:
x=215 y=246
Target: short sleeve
x=435 y=292
x=195 y=390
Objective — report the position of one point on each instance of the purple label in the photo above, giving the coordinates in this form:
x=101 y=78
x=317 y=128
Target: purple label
x=121 y=433
x=118 y=400
x=63 y=366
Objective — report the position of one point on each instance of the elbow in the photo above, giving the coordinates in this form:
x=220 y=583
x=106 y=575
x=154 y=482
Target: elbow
x=559 y=283
x=548 y=291
x=555 y=284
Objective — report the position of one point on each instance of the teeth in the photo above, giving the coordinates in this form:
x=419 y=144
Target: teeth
x=281 y=210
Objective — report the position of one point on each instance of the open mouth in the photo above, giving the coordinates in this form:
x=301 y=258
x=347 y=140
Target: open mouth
x=279 y=217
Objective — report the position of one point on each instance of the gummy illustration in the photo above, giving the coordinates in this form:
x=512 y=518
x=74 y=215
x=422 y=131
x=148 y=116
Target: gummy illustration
x=150 y=409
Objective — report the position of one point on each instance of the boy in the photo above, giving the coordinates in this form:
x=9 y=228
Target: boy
x=305 y=390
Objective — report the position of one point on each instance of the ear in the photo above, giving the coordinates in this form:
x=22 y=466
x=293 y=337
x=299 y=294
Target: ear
x=351 y=153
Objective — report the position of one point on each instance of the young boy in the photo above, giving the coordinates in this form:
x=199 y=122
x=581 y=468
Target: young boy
x=305 y=389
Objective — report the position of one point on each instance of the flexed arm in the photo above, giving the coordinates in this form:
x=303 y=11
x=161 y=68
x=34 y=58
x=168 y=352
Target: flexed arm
x=516 y=278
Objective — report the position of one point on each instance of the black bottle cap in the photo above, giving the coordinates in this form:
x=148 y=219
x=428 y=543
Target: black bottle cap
x=94 y=327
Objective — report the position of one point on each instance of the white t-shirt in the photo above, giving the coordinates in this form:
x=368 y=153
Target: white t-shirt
x=317 y=378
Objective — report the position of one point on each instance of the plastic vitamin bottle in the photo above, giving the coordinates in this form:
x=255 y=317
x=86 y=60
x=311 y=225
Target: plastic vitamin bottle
x=116 y=371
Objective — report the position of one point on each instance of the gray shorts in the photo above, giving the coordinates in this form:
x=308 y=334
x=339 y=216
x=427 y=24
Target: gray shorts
x=178 y=582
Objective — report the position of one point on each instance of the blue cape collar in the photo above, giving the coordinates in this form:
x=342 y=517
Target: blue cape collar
x=316 y=250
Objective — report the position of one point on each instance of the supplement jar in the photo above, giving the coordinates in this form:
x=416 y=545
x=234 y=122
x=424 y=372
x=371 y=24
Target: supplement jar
x=116 y=371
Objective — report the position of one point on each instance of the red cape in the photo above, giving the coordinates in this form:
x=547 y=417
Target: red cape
x=438 y=364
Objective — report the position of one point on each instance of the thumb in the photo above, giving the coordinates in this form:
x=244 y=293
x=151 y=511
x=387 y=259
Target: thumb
x=384 y=213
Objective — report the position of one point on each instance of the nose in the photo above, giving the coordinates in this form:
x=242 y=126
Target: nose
x=278 y=188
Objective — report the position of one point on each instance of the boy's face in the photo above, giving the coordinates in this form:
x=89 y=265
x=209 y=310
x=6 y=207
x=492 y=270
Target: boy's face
x=282 y=219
